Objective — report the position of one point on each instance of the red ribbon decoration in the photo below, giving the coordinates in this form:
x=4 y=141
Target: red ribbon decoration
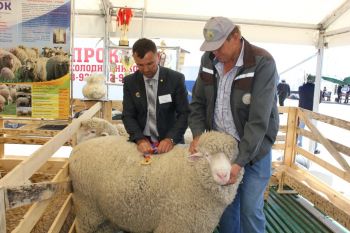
x=124 y=16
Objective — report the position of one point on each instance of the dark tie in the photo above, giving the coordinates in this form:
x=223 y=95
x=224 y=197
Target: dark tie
x=152 y=103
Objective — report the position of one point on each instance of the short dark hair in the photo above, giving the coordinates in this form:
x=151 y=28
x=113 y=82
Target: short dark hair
x=143 y=46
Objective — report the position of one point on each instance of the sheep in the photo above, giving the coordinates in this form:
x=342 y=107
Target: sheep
x=23 y=88
x=24 y=111
x=20 y=53
x=56 y=67
x=26 y=72
x=122 y=130
x=23 y=102
x=5 y=92
x=95 y=87
x=13 y=92
x=2 y=103
x=95 y=127
x=113 y=191
x=40 y=69
x=6 y=74
x=33 y=53
x=7 y=59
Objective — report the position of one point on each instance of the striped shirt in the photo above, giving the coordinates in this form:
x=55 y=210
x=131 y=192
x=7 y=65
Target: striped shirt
x=223 y=119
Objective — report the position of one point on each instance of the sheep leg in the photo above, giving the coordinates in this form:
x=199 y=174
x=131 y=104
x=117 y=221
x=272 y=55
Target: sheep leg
x=89 y=218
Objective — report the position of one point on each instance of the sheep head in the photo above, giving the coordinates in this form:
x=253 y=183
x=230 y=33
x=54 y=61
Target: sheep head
x=213 y=142
x=95 y=127
x=220 y=150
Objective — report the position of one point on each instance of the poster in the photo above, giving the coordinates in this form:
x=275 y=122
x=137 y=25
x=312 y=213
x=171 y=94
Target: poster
x=88 y=57
x=34 y=58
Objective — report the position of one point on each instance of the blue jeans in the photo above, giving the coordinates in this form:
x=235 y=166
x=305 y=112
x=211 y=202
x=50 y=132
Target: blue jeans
x=246 y=213
x=300 y=138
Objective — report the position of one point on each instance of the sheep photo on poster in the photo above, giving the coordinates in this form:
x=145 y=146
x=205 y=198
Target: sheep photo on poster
x=16 y=100
x=23 y=64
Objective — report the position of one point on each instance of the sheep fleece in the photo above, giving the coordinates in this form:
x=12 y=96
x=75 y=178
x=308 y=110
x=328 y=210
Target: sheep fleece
x=167 y=196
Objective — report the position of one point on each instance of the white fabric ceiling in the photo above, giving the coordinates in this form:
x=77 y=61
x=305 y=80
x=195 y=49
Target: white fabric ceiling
x=276 y=21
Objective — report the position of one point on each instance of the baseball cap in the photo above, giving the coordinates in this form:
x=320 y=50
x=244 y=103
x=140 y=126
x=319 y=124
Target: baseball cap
x=215 y=32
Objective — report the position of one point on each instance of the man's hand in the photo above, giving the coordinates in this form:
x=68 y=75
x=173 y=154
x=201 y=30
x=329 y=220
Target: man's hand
x=165 y=145
x=144 y=146
x=235 y=169
x=193 y=145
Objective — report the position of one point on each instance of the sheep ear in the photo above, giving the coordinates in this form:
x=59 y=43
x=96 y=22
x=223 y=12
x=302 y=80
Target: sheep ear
x=207 y=156
x=104 y=134
x=194 y=157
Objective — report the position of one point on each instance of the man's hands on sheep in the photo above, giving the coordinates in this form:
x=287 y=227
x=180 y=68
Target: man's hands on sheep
x=145 y=147
x=235 y=168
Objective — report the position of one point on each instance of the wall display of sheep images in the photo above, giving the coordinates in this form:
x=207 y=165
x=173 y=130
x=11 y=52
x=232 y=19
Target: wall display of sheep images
x=175 y=193
x=23 y=64
x=24 y=100
x=16 y=99
x=95 y=87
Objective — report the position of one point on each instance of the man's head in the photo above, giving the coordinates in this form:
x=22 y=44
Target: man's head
x=310 y=78
x=145 y=55
x=223 y=38
x=216 y=31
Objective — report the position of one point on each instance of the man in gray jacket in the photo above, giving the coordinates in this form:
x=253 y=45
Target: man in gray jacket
x=235 y=92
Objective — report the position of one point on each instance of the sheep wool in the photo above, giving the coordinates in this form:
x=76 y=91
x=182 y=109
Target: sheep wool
x=95 y=127
x=6 y=74
x=95 y=87
x=7 y=59
x=113 y=191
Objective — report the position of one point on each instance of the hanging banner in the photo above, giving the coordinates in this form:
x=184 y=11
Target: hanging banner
x=88 y=57
x=34 y=58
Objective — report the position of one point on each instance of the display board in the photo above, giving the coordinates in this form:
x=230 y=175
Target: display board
x=121 y=64
x=34 y=58
x=88 y=57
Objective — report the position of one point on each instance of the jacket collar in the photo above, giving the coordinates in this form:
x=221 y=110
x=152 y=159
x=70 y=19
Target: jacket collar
x=248 y=57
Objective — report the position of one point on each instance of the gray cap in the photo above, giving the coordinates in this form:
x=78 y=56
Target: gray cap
x=215 y=32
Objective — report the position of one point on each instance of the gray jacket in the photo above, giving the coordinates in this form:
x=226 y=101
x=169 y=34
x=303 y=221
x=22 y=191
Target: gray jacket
x=253 y=102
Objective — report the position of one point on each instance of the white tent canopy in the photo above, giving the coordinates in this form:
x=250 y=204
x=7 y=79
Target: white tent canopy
x=318 y=23
x=276 y=21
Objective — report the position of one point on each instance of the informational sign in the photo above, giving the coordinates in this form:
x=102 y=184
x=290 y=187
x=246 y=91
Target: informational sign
x=34 y=58
x=88 y=57
x=121 y=64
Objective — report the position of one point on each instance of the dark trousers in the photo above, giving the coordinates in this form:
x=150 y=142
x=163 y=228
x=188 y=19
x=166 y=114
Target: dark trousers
x=281 y=100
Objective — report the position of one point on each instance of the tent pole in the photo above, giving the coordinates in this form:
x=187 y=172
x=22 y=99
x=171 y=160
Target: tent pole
x=320 y=54
x=107 y=18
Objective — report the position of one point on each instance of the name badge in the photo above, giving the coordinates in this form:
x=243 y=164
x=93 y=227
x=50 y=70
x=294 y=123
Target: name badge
x=164 y=99
x=206 y=70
